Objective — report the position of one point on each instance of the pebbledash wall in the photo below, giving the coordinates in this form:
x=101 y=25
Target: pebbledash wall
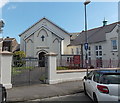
x=55 y=76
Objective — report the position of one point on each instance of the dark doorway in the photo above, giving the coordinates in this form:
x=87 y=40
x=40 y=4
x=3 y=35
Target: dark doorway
x=42 y=59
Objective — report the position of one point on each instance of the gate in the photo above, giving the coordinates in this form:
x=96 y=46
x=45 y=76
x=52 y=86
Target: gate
x=28 y=72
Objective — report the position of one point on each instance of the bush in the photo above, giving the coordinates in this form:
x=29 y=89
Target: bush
x=18 y=55
x=17 y=58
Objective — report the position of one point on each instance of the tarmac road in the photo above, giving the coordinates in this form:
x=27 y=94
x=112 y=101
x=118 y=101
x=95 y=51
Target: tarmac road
x=81 y=97
x=73 y=98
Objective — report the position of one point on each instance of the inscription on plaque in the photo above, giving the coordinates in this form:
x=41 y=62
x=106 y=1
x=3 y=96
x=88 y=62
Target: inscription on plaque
x=42 y=48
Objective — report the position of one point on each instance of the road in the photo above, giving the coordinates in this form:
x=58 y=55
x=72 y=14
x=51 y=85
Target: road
x=74 y=97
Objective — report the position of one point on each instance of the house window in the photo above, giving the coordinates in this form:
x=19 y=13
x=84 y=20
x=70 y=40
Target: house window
x=89 y=53
x=68 y=60
x=100 y=47
x=96 y=53
x=114 y=44
x=72 y=51
x=71 y=59
x=89 y=48
x=100 y=53
x=77 y=51
x=96 y=47
x=98 y=50
x=5 y=48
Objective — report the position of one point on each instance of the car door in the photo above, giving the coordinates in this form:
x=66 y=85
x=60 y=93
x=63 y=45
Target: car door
x=89 y=83
x=92 y=86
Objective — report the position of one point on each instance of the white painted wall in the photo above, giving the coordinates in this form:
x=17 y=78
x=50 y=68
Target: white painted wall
x=109 y=36
x=5 y=69
x=30 y=46
x=63 y=77
x=54 y=77
x=74 y=50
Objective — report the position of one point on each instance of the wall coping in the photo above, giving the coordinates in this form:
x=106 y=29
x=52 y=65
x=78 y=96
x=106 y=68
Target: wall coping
x=51 y=54
x=6 y=53
x=71 y=71
x=81 y=70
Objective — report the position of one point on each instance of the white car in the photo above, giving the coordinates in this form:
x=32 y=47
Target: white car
x=103 y=85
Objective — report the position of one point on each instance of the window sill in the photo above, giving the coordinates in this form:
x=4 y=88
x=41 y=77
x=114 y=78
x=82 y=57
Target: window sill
x=114 y=51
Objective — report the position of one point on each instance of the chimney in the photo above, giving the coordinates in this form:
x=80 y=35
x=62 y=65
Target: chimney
x=104 y=22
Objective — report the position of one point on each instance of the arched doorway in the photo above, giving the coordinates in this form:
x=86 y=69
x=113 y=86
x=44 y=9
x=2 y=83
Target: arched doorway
x=42 y=59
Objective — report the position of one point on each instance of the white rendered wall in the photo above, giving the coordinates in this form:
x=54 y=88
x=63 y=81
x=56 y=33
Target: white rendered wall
x=54 y=77
x=5 y=69
x=63 y=77
x=110 y=36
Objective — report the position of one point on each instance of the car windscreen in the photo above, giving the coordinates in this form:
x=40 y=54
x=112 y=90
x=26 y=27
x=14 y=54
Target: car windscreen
x=112 y=78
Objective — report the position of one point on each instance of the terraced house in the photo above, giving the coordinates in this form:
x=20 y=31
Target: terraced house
x=45 y=36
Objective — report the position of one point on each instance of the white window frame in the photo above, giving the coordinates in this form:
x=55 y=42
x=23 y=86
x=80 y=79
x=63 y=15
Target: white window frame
x=77 y=51
x=98 y=51
x=114 y=45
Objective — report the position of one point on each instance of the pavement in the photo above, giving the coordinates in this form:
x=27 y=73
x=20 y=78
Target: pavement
x=41 y=91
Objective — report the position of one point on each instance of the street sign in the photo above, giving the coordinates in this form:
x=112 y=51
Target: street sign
x=86 y=46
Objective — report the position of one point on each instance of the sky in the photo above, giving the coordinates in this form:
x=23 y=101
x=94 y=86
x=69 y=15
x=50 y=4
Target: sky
x=19 y=16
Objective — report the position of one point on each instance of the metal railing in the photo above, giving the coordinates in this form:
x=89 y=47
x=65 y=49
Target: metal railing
x=91 y=64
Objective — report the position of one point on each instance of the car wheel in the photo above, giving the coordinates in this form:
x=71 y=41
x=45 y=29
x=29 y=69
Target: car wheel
x=95 y=98
x=84 y=89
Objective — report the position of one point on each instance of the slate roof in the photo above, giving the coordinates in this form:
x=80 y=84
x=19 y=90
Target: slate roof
x=94 y=35
x=8 y=39
x=74 y=35
x=17 y=48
